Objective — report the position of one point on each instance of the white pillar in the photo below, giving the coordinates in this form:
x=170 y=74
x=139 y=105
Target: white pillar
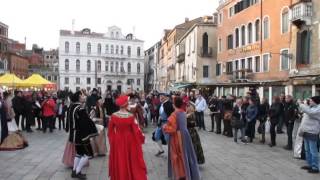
x=313 y=90
x=270 y=94
x=237 y=93
x=289 y=90
x=246 y=90
x=260 y=91
x=231 y=91
x=221 y=91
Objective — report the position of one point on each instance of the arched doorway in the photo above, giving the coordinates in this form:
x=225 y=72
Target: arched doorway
x=109 y=85
x=119 y=86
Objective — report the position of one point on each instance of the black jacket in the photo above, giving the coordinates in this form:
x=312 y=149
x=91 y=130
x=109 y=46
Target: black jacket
x=79 y=125
x=275 y=112
x=290 y=112
x=18 y=105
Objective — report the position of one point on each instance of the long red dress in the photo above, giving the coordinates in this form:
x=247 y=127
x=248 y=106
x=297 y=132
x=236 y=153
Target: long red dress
x=126 y=157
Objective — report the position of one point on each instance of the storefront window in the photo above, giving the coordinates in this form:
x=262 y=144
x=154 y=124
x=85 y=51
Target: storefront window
x=277 y=90
x=241 y=92
x=302 y=92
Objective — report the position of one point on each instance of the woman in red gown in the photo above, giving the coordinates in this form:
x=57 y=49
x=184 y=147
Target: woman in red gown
x=125 y=138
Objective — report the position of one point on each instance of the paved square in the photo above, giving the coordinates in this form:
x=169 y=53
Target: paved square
x=225 y=160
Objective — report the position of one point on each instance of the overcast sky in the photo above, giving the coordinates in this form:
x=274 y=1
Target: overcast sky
x=40 y=20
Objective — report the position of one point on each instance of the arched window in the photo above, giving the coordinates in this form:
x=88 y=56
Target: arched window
x=249 y=33
x=66 y=64
x=121 y=50
x=257 y=30
x=129 y=51
x=99 y=48
x=117 y=35
x=107 y=48
x=129 y=67
x=112 y=49
x=243 y=35
x=117 y=49
x=138 y=68
x=99 y=66
x=66 y=47
x=205 y=43
x=78 y=65
x=78 y=47
x=266 y=28
x=138 y=51
x=89 y=48
x=237 y=37
x=88 y=65
x=285 y=21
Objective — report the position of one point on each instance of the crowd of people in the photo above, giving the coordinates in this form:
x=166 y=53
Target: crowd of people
x=175 y=118
x=301 y=119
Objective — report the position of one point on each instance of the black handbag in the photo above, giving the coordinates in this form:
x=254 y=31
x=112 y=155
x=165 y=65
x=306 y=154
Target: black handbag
x=236 y=123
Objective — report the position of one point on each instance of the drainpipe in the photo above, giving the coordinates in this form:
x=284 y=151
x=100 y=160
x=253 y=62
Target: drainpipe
x=261 y=22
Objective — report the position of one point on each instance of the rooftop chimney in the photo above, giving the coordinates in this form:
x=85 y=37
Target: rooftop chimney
x=186 y=19
x=72 y=29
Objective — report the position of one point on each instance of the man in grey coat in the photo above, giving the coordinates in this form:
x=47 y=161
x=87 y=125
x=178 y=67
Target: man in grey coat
x=310 y=129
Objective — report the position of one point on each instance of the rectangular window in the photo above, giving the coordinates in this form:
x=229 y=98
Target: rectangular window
x=265 y=59
x=218 y=69
x=219 y=45
x=107 y=66
x=266 y=28
x=231 y=11
x=77 y=80
x=285 y=62
x=230 y=41
x=88 y=80
x=77 y=88
x=219 y=18
x=205 y=71
x=303 y=47
x=250 y=64
x=138 y=82
x=130 y=81
x=258 y=64
x=243 y=63
x=66 y=80
x=99 y=81
x=229 y=68
x=111 y=66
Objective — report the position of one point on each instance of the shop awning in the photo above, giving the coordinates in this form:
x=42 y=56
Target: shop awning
x=10 y=80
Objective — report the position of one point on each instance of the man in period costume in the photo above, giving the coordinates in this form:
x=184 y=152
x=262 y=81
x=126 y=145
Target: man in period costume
x=165 y=111
x=81 y=129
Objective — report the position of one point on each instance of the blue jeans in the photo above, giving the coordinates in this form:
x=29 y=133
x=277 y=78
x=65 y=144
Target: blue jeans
x=311 y=149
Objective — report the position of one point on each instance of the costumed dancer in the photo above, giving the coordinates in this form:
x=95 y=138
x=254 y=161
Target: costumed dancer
x=98 y=143
x=81 y=128
x=165 y=111
x=191 y=124
x=182 y=159
x=125 y=138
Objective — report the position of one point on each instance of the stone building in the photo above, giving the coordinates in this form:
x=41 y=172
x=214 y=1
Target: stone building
x=151 y=67
x=106 y=61
x=254 y=39
x=304 y=76
x=196 y=56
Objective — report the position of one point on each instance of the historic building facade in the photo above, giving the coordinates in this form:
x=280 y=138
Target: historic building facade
x=151 y=67
x=254 y=39
x=167 y=50
x=107 y=61
x=51 y=65
x=196 y=56
x=304 y=77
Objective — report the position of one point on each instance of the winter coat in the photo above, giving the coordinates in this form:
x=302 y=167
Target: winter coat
x=311 y=119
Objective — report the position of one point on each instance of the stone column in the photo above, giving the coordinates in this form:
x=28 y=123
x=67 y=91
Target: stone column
x=260 y=91
x=313 y=90
x=270 y=94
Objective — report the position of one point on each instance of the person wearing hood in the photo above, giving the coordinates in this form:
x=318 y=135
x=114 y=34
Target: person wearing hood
x=309 y=130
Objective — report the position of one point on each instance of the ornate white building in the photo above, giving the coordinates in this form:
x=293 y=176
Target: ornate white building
x=107 y=61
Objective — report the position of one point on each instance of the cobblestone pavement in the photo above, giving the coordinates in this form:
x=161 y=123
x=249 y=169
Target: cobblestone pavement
x=224 y=160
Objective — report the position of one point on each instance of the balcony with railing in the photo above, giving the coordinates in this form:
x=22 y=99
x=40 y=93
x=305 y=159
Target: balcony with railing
x=206 y=52
x=241 y=75
x=301 y=13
